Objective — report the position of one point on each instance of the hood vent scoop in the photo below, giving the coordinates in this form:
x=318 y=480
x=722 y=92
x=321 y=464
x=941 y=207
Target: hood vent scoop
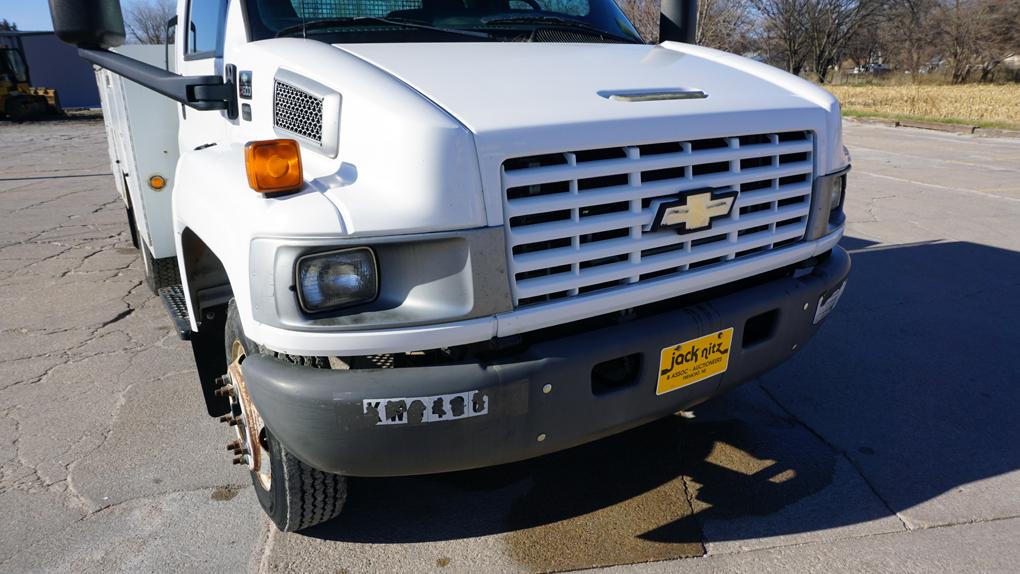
x=572 y=37
x=653 y=95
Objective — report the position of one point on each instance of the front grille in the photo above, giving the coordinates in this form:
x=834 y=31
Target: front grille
x=575 y=219
x=297 y=111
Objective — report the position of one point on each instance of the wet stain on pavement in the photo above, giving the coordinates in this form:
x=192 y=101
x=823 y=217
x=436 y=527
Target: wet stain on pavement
x=224 y=493
x=637 y=497
x=596 y=504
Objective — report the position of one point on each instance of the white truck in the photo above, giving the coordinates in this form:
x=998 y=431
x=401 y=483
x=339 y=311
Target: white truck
x=416 y=236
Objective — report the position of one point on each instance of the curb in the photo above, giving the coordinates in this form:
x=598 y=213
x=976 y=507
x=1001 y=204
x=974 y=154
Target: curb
x=996 y=133
x=873 y=121
x=939 y=126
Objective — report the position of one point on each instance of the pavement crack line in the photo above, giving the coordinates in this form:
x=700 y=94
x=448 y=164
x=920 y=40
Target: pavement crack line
x=105 y=205
x=835 y=449
x=47 y=200
x=690 y=504
x=123 y=314
x=44 y=177
x=105 y=437
x=156 y=496
x=119 y=316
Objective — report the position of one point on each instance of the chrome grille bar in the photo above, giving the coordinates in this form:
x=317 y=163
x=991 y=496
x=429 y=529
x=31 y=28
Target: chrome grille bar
x=576 y=220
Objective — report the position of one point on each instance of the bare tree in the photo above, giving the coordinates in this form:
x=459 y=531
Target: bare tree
x=979 y=36
x=911 y=31
x=785 y=32
x=146 y=20
x=830 y=26
x=1003 y=35
x=725 y=24
x=870 y=45
x=6 y=26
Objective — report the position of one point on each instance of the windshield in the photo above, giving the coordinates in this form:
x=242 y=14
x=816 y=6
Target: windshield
x=353 y=21
x=12 y=67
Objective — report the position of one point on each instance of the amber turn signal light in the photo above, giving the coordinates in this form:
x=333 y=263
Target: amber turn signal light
x=157 y=182
x=273 y=165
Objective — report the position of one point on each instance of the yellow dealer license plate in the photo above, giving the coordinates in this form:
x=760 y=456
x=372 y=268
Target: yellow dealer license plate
x=693 y=361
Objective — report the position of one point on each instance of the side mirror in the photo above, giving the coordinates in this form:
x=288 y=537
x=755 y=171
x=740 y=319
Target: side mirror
x=678 y=21
x=93 y=24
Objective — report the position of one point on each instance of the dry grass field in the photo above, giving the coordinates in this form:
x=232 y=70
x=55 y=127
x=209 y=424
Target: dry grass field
x=985 y=105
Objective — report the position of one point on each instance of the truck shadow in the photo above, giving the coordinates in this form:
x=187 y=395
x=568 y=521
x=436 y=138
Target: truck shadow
x=909 y=392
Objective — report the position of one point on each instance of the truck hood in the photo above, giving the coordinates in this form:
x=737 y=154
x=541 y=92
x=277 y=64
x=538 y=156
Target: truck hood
x=499 y=86
x=527 y=98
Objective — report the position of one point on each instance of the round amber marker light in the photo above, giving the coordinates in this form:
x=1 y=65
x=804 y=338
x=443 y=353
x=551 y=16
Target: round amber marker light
x=157 y=182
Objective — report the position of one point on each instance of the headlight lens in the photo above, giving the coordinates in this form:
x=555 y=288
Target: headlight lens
x=827 y=204
x=337 y=279
x=836 y=188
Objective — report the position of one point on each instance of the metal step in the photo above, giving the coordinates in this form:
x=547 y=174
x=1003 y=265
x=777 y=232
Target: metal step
x=177 y=308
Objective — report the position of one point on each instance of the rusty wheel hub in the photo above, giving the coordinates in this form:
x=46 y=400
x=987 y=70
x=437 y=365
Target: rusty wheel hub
x=251 y=447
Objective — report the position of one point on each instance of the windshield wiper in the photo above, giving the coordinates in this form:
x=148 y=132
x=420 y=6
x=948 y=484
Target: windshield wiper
x=540 y=19
x=339 y=22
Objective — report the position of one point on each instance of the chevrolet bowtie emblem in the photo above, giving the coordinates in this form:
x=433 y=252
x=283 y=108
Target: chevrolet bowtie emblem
x=693 y=210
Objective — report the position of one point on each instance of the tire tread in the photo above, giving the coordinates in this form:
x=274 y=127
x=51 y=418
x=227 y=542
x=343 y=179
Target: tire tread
x=299 y=496
x=313 y=496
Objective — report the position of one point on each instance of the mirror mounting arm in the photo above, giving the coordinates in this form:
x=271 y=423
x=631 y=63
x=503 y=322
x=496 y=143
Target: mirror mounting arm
x=198 y=92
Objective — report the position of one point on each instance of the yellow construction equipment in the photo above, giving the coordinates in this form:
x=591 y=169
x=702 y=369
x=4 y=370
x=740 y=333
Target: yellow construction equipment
x=19 y=100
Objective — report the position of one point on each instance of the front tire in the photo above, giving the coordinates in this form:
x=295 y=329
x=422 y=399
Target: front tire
x=300 y=496
x=294 y=495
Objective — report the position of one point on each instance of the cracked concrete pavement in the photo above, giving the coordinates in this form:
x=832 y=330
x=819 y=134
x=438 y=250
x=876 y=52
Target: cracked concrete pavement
x=890 y=443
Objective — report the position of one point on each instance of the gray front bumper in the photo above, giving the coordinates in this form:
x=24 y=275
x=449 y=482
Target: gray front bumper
x=337 y=420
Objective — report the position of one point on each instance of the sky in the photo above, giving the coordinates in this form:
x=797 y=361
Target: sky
x=33 y=15
x=29 y=15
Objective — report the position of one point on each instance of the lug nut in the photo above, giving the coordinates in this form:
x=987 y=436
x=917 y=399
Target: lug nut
x=226 y=418
x=240 y=451
x=234 y=445
x=239 y=460
x=234 y=421
x=224 y=391
x=221 y=381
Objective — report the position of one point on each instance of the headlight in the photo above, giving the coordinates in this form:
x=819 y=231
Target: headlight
x=826 y=204
x=336 y=279
x=833 y=187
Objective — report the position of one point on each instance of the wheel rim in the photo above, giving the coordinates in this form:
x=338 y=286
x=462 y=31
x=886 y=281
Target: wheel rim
x=251 y=430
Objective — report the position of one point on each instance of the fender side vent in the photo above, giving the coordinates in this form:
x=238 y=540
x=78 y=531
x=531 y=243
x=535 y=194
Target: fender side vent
x=297 y=112
x=307 y=111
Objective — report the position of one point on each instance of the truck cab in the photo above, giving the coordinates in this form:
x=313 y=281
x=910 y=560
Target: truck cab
x=417 y=236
